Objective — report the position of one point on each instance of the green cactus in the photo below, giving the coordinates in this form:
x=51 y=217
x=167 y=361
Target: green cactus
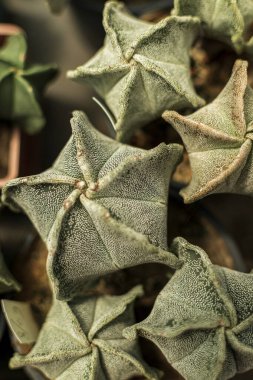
x=83 y=340
x=225 y=20
x=102 y=206
x=218 y=139
x=140 y=71
x=203 y=319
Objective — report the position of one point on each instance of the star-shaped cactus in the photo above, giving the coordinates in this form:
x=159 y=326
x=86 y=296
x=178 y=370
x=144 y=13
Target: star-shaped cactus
x=203 y=318
x=218 y=139
x=102 y=206
x=21 y=85
x=83 y=340
x=7 y=281
x=225 y=20
x=143 y=68
x=57 y=5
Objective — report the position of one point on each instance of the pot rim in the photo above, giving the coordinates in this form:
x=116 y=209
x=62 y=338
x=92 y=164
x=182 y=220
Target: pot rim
x=13 y=157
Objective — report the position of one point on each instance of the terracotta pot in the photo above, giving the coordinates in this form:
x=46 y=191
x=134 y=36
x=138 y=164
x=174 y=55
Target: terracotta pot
x=10 y=141
x=8 y=30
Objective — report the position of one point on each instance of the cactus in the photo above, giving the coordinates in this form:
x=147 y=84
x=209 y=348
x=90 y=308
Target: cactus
x=225 y=20
x=83 y=339
x=140 y=73
x=203 y=319
x=102 y=207
x=108 y=199
x=218 y=138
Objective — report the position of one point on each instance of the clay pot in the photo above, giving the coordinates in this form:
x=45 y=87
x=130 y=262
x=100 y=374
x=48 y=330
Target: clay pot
x=10 y=138
x=10 y=141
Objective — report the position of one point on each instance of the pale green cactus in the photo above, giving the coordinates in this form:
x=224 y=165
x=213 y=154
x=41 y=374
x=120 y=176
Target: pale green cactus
x=218 y=139
x=83 y=340
x=7 y=281
x=143 y=68
x=21 y=85
x=57 y=5
x=225 y=20
x=102 y=206
x=203 y=319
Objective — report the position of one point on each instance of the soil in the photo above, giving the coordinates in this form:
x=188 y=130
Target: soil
x=30 y=268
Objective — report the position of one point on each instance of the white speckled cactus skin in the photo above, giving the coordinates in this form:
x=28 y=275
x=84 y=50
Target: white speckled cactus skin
x=225 y=20
x=102 y=207
x=83 y=340
x=203 y=319
x=143 y=68
x=218 y=139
